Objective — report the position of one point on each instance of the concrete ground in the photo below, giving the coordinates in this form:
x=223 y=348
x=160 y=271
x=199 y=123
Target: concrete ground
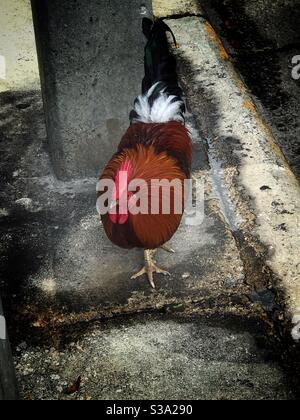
x=155 y=357
x=18 y=65
x=217 y=328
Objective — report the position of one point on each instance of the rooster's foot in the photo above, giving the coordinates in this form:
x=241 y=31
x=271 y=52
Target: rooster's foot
x=168 y=249
x=150 y=268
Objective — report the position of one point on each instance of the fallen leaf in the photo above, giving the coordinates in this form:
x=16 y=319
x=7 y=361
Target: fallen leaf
x=74 y=388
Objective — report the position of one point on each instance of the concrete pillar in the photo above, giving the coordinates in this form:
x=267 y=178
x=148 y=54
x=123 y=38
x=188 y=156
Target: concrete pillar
x=91 y=63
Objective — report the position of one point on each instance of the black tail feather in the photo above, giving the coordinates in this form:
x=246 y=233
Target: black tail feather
x=160 y=64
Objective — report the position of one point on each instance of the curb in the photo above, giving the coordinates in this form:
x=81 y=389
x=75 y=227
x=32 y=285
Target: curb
x=8 y=384
x=261 y=186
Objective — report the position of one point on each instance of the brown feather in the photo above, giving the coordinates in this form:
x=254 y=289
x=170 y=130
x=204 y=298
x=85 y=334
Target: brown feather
x=172 y=138
x=156 y=151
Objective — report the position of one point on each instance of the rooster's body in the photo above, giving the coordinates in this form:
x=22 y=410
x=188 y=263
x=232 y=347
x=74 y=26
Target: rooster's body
x=156 y=146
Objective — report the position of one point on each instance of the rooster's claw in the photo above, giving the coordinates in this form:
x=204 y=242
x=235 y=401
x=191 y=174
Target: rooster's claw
x=150 y=268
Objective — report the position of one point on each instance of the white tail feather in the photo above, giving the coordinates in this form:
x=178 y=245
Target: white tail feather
x=164 y=108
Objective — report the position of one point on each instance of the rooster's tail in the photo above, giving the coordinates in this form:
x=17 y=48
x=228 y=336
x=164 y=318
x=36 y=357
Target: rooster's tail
x=161 y=100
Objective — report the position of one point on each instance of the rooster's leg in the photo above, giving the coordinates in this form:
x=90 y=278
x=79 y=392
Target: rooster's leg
x=150 y=267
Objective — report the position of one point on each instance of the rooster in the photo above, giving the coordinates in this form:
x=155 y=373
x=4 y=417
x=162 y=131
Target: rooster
x=157 y=146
